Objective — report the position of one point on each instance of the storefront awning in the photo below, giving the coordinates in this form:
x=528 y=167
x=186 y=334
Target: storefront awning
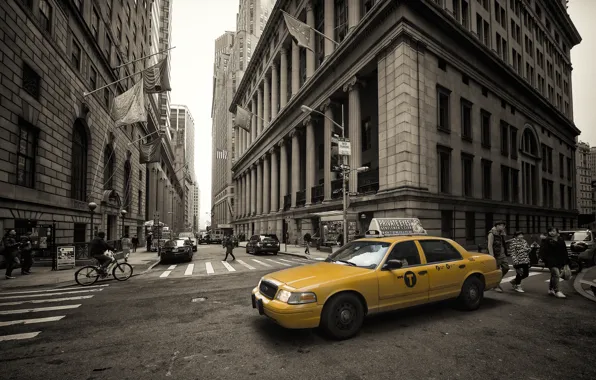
x=332 y=216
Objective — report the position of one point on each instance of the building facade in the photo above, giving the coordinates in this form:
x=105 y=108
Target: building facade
x=60 y=150
x=197 y=210
x=584 y=181
x=460 y=119
x=233 y=52
x=592 y=166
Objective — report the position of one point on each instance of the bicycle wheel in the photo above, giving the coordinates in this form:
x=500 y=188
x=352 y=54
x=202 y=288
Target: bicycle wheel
x=122 y=271
x=87 y=275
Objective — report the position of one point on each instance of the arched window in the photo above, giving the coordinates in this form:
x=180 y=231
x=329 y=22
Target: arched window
x=108 y=167
x=127 y=190
x=78 y=161
x=529 y=143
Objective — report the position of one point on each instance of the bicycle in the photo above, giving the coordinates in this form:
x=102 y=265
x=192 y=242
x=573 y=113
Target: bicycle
x=93 y=272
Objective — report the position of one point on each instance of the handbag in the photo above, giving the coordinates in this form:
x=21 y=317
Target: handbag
x=566 y=273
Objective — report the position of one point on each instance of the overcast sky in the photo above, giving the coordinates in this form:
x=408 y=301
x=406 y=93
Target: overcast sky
x=197 y=23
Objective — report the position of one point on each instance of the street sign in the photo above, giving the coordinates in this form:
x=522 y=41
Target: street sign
x=65 y=257
x=343 y=146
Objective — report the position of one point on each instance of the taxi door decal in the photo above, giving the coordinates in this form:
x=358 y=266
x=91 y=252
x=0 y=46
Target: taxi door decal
x=410 y=279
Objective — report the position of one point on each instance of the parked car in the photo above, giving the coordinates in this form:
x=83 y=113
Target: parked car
x=268 y=243
x=582 y=244
x=204 y=238
x=177 y=249
x=191 y=237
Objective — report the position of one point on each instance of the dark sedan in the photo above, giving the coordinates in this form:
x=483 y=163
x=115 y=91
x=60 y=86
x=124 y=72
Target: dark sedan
x=268 y=243
x=177 y=249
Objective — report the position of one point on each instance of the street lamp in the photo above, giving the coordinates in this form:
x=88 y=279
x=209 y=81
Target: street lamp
x=123 y=213
x=92 y=206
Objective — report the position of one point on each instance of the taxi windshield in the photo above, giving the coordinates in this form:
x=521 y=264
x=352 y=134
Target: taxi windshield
x=365 y=254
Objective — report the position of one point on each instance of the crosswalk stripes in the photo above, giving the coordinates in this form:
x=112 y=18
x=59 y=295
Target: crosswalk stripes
x=250 y=267
x=209 y=268
x=278 y=262
x=20 y=309
x=189 y=269
x=228 y=266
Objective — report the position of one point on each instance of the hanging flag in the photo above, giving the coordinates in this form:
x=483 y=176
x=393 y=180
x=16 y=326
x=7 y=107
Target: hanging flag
x=300 y=32
x=129 y=107
x=221 y=154
x=150 y=152
x=242 y=118
x=156 y=78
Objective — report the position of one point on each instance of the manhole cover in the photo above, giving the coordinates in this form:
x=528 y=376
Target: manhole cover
x=199 y=299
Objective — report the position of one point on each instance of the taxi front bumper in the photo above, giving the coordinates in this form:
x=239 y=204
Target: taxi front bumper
x=306 y=316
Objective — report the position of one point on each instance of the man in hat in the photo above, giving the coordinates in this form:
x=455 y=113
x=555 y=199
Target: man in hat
x=498 y=249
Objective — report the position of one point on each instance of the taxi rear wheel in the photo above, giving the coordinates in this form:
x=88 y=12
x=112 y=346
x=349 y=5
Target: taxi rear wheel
x=472 y=293
x=342 y=316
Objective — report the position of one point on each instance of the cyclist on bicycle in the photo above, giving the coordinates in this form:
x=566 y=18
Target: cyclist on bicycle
x=97 y=249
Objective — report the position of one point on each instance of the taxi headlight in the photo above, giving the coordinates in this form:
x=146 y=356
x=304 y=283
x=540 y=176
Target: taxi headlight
x=296 y=298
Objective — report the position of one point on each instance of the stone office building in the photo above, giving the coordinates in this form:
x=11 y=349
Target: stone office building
x=461 y=110
x=57 y=155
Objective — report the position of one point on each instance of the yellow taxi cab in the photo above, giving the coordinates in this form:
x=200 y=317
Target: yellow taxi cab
x=397 y=265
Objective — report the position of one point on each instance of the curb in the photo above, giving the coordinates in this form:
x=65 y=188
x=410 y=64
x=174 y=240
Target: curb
x=577 y=284
x=150 y=268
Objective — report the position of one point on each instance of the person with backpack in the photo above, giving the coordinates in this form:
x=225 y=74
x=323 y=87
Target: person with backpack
x=26 y=249
x=9 y=251
x=498 y=249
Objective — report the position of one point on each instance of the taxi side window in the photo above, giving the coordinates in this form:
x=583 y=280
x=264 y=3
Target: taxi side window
x=406 y=252
x=439 y=250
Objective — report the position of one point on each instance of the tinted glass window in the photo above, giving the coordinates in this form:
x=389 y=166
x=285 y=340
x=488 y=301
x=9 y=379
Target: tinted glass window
x=439 y=250
x=406 y=252
x=268 y=237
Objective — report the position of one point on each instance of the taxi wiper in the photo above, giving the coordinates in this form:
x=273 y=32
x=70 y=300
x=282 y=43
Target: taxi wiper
x=347 y=262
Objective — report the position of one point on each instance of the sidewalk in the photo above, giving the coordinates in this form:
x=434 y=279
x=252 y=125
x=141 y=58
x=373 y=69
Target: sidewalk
x=141 y=262
x=298 y=251
x=585 y=283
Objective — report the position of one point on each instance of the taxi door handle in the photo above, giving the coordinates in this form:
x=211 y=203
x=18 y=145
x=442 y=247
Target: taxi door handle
x=422 y=273
x=462 y=266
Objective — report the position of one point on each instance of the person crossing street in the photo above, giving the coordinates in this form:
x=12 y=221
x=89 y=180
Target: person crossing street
x=498 y=249
x=519 y=250
x=229 y=245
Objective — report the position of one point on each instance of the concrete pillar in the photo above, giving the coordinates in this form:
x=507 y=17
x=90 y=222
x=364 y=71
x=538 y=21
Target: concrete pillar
x=283 y=173
x=353 y=14
x=253 y=124
x=283 y=76
x=311 y=149
x=253 y=189
x=266 y=185
x=328 y=130
x=310 y=56
x=274 y=181
x=295 y=68
x=259 y=186
x=296 y=186
x=259 y=111
x=266 y=102
x=329 y=11
x=246 y=189
x=236 y=199
x=354 y=125
x=274 y=90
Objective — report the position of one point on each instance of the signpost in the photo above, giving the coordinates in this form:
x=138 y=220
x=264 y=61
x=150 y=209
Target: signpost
x=65 y=257
x=343 y=146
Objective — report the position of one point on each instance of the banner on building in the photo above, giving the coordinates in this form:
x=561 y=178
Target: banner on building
x=242 y=118
x=156 y=78
x=150 y=152
x=300 y=32
x=129 y=107
x=221 y=154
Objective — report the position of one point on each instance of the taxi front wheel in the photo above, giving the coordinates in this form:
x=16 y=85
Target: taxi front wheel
x=342 y=316
x=472 y=293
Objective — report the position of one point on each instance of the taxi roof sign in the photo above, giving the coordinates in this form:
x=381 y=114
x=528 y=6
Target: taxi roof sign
x=385 y=227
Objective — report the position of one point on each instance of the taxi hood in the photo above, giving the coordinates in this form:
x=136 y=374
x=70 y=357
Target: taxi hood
x=311 y=276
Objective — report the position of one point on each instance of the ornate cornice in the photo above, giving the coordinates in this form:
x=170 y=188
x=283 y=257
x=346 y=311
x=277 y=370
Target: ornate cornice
x=353 y=83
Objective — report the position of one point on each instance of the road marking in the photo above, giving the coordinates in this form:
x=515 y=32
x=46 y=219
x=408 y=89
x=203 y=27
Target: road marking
x=49 y=294
x=209 y=268
x=512 y=277
x=560 y=280
x=172 y=267
x=278 y=262
x=262 y=263
x=245 y=264
x=228 y=266
x=189 y=269
x=40 y=309
x=31 y=321
x=287 y=261
x=55 y=289
x=45 y=301
x=19 y=336
x=165 y=274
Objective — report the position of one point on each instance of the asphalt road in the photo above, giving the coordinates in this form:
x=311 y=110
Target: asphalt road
x=150 y=328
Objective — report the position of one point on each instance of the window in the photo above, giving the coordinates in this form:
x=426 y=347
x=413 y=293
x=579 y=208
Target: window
x=504 y=139
x=108 y=171
x=505 y=183
x=488 y=221
x=78 y=175
x=79 y=5
x=106 y=97
x=513 y=133
x=569 y=168
x=139 y=202
x=562 y=196
x=485 y=128
x=127 y=189
x=27 y=150
x=470 y=225
x=31 y=81
x=443 y=109
x=466 y=120
x=467 y=165
x=45 y=15
x=95 y=23
x=93 y=77
x=406 y=252
x=570 y=198
x=442 y=64
x=444 y=154
x=439 y=250
x=529 y=144
x=561 y=165
x=486 y=179
x=107 y=47
x=447 y=224
x=547 y=193
x=76 y=55
x=128 y=13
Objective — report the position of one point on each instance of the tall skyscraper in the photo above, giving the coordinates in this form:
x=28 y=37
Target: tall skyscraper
x=233 y=51
x=197 y=209
x=584 y=180
x=183 y=126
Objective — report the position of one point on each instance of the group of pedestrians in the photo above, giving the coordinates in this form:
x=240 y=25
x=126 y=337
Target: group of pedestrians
x=12 y=247
x=553 y=253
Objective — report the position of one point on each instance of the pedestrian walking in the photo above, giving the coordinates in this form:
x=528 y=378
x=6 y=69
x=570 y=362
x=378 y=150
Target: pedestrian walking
x=149 y=240
x=126 y=243
x=135 y=243
x=26 y=249
x=307 y=240
x=9 y=251
x=553 y=252
x=229 y=244
x=519 y=250
x=498 y=249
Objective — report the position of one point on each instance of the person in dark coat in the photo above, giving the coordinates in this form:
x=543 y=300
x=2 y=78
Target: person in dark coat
x=229 y=244
x=553 y=252
x=97 y=249
x=10 y=251
x=26 y=248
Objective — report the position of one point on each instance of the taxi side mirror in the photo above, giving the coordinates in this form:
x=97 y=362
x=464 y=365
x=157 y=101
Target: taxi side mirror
x=393 y=264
